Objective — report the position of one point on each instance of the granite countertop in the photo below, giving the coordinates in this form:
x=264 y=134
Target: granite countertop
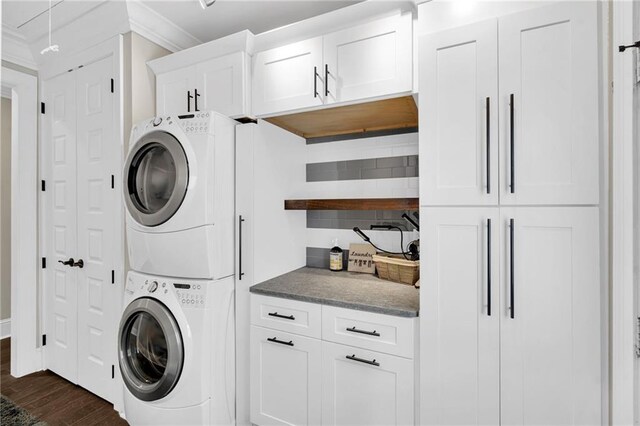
x=344 y=289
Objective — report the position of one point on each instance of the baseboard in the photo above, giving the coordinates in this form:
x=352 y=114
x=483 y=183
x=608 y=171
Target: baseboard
x=5 y=328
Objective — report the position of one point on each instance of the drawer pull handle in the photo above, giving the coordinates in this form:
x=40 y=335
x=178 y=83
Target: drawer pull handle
x=282 y=342
x=365 y=361
x=277 y=315
x=369 y=333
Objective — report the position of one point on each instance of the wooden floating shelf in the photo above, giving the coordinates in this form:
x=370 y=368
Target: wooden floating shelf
x=387 y=114
x=353 y=204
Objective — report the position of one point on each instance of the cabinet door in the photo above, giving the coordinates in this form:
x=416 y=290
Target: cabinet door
x=171 y=91
x=550 y=316
x=222 y=84
x=285 y=378
x=459 y=116
x=362 y=387
x=549 y=105
x=373 y=59
x=288 y=77
x=459 y=317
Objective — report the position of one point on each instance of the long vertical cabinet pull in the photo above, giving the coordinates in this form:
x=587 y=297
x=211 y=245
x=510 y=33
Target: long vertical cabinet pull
x=315 y=82
x=489 y=267
x=512 y=144
x=488 y=165
x=512 y=298
x=189 y=97
x=326 y=80
x=240 y=273
x=196 y=95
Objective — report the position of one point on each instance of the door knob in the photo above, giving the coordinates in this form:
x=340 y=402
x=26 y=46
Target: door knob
x=69 y=262
x=79 y=263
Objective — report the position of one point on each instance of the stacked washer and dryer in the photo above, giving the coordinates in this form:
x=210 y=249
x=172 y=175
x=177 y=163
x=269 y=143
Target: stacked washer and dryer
x=176 y=335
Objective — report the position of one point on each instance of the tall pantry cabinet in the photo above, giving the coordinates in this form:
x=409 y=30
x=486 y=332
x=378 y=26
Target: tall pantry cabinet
x=510 y=297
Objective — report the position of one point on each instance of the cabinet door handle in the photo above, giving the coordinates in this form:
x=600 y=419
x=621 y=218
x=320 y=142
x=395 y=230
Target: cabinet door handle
x=326 y=80
x=365 y=361
x=512 y=308
x=488 y=159
x=369 y=333
x=240 y=273
x=315 y=82
x=277 y=315
x=282 y=342
x=489 y=267
x=512 y=143
x=189 y=97
x=197 y=95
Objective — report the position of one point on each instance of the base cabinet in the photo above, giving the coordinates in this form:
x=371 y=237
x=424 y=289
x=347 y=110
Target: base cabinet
x=285 y=378
x=361 y=387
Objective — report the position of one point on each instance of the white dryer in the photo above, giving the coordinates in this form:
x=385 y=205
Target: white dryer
x=176 y=351
x=179 y=191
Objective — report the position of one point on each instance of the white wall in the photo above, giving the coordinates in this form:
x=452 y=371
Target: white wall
x=5 y=210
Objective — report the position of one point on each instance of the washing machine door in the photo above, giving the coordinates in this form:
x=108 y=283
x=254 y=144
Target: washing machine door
x=156 y=177
x=150 y=349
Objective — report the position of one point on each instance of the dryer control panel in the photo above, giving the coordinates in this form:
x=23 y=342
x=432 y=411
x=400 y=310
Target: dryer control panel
x=190 y=295
x=197 y=122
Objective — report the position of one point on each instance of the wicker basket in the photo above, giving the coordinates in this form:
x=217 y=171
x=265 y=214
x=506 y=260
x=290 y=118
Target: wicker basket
x=397 y=269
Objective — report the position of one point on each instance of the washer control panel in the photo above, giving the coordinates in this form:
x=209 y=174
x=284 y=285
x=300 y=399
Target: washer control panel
x=197 y=122
x=190 y=295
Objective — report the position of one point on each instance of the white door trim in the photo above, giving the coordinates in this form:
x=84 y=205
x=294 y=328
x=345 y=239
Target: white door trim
x=25 y=352
x=622 y=221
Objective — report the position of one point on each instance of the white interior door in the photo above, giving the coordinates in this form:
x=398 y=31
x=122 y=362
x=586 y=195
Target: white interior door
x=460 y=317
x=549 y=105
x=97 y=220
x=550 y=316
x=368 y=60
x=459 y=116
x=61 y=290
x=288 y=77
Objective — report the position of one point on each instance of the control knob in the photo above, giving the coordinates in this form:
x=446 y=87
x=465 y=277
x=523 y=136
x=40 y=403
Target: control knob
x=153 y=286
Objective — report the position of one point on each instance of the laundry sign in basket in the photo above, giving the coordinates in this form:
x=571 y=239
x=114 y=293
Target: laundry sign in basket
x=397 y=269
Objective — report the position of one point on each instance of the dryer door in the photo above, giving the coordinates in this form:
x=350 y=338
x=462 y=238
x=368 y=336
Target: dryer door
x=151 y=351
x=156 y=178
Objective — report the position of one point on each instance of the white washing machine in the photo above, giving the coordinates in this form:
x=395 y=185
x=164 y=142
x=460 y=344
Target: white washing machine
x=176 y=351
x=179 y=180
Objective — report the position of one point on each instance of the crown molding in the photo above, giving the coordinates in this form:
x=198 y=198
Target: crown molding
x=158 y=29
x=6 y=92
x=15 y=49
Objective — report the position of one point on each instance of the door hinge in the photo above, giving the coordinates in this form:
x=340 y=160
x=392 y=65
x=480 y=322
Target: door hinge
x=113 y=181
x=113 y=371
x=44 y=263
x=113 y=276
x=112 y=86
x=43 y=185
x=41 y=107
x=44 y=340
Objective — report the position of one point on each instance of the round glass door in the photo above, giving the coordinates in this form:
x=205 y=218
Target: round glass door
x=157 y=175
x=151 y=349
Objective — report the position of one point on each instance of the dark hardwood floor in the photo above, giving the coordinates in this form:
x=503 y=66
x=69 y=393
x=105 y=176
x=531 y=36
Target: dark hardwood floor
x=52 y=398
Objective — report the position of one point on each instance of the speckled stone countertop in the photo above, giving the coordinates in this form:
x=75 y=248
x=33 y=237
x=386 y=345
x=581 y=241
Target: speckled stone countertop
x=350 y=290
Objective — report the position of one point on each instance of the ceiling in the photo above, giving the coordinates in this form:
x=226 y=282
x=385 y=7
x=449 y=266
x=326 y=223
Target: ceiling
x=29 y=17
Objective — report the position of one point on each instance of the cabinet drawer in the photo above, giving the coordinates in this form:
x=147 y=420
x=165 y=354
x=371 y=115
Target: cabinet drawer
x=382 y=333
x=287 y=315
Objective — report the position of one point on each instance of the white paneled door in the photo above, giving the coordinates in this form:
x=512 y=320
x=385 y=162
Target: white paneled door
x=97 y=217
x=550 y=316
x=549 y=105
x=174 y=91
x=459 y=143
x=460 y=341
x=61 y=291
x=80 y=145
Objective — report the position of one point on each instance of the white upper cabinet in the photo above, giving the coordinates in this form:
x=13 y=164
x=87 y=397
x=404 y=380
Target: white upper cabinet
x=460 y=317
x=549 y=105
x=288 y=77
x=550 y=316
x=173 y=89
x=536 y=74
x=224 y=84
x=459 y=116
x=365 y=61
x=374 y=59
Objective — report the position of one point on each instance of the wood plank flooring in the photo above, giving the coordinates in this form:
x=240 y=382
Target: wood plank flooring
x=52 y=398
